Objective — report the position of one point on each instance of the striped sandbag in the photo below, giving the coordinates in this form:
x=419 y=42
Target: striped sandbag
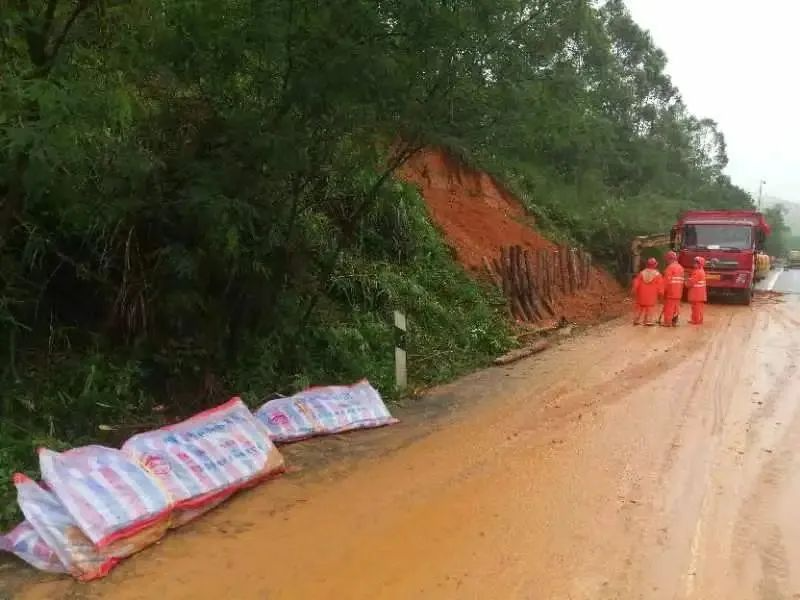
x=205 y=459
x=324 y=410
x=28 y=545
x=109 y=495
x=61 y=533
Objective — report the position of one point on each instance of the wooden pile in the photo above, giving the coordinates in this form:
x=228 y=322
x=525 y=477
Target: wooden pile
x=532 y=280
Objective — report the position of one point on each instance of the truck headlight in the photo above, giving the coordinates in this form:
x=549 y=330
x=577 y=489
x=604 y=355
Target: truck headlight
x=741 y=278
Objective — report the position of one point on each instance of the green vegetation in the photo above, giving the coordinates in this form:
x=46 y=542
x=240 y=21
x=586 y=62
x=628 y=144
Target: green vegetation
x=780 y=241
x=196 y=197
x=792 y=243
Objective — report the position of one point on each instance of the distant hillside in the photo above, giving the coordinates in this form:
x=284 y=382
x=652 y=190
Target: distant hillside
x=792 y=212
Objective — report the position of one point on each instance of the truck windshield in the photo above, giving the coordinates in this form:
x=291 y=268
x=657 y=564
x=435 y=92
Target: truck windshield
x=713 y=237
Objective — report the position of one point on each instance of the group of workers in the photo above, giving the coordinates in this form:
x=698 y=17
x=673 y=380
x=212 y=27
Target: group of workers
x=650 y=286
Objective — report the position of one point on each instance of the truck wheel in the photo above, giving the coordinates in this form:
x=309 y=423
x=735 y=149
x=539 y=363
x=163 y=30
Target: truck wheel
x=747 y=296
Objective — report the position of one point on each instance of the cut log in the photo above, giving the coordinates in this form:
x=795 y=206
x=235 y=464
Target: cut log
x=510 y=286
x=581 y=262
x=521 y=353
x=504 y=271
x=571 y=270
x=555 y=258
x=588 y=269
x=493 y=276
x=498 y=268
x=521 y=283
x=535 y=292
x=541 y=275
x=549 y=264
x=541 y=261
x=562 y=269
x=544 y=295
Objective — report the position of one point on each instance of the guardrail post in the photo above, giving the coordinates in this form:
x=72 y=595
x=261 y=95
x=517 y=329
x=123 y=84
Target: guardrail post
x=400 y=357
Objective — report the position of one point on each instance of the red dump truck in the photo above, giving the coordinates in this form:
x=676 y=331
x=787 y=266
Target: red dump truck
x=729 y=240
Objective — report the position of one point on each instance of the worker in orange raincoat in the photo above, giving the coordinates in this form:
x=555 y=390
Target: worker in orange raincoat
x=697 y=290
x=648 y=285
x=673 y=289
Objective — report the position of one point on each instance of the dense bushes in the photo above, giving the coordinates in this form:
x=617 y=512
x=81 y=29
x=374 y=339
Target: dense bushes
x=196 y=197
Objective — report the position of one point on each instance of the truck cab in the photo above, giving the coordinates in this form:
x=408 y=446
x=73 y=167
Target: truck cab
x=730 y=242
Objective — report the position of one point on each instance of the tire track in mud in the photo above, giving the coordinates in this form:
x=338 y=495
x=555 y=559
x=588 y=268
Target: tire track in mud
x=774 y=562
x=755 y=534
x=625 y=381
x=708 y=385
x=725 y=475
x=766 y=407
x=753 y=520
x=557 y=402
x=728 y=368
x=753 y=530
x=562 y=402
x=712 y=368
x=695 y=366
x=568 y=398
x=715 y=353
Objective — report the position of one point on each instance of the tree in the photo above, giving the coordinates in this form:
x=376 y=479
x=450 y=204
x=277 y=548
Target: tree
x=777 y=243
x=204 y=191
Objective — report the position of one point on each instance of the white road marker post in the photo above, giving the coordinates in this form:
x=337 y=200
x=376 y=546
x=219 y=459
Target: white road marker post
x=400 y=365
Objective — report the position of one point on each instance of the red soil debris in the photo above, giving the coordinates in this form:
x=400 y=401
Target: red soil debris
x=478 y=216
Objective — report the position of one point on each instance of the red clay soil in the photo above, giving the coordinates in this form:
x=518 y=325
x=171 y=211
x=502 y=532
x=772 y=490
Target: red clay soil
x=477 y=216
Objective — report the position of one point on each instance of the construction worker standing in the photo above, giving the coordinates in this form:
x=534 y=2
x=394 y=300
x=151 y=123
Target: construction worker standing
x=697 y=290
x=673 y=289
x=648 y=285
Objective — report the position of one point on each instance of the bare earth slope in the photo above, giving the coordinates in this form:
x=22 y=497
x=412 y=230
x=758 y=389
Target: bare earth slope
x=477 y=216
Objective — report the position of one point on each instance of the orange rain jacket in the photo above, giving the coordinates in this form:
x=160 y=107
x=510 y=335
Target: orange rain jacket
x=673 y=281
x=648 y=285
x=697 y=285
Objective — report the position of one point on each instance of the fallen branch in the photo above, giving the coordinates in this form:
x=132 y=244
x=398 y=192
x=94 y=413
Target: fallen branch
x=521 y=353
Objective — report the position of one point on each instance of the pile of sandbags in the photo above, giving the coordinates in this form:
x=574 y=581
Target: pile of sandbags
x=96 y=505
x=324 y=410
x=30 y=546
x=204 y=460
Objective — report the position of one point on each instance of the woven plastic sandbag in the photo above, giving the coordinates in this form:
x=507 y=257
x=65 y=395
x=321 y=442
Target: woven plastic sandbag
x=109 y=495
x=208 y=457
x=61 y=533
x=28 y=545
x=324 y=410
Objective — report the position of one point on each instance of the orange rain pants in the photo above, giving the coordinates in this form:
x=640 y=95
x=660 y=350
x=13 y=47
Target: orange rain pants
x=697 y=294
x=673 y=290
x=647 y=287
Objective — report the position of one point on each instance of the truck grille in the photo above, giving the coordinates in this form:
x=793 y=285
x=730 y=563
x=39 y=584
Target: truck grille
x=723 y=265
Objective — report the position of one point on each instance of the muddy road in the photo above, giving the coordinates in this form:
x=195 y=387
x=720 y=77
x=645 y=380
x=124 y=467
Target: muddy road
x=625 y=463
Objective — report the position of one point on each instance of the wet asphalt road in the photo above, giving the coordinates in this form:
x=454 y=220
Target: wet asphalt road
x=787 y=282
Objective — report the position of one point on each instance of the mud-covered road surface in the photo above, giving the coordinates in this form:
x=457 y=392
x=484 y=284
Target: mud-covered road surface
x=624 y=463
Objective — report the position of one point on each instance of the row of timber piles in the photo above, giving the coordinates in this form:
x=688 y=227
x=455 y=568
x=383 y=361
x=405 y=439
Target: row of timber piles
x=533 y=280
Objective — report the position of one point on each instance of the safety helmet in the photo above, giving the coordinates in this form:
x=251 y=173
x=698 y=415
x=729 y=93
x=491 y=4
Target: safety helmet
x=701 y=262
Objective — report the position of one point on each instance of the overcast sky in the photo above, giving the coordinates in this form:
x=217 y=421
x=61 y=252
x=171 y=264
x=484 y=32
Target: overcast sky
x=737 y=62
